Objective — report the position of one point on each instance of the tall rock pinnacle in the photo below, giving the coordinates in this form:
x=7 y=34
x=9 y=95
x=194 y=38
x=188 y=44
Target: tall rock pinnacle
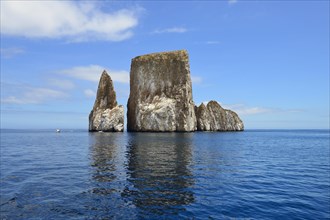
x=161 y=93
x=106 y=114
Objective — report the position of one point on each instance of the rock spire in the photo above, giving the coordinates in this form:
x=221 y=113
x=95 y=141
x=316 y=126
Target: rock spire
x=106 y=115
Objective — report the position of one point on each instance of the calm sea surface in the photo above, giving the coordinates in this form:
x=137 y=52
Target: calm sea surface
x=262 y=174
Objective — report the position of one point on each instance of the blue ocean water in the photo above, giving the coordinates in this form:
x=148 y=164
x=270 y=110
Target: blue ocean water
x=255 y=174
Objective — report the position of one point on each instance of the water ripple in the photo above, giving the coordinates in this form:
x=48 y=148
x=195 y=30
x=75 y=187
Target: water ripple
x=246 y=175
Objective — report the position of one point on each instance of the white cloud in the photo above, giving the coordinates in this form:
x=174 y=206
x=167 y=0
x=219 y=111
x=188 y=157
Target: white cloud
x=246 y=110
x=241 y=109
x=11 y=52
x=196 y=79
x=89 y=93
x=170 y=30
x=32 y=95
x=231 y=2
x=93 y=73
x=251 y=110
x=74 y=21
x=61 y=83
x=212 y=42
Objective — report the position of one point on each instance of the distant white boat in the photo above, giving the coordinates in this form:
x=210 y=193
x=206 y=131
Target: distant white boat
x=58 y=130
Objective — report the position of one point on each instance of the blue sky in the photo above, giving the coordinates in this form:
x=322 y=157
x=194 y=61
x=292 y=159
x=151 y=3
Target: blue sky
x=266 y=60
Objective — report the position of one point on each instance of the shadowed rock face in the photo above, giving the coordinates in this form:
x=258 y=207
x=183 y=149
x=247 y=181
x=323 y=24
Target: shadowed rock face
x=106 y=114
x=106 y=95
x=212 y=117
x=161 y=93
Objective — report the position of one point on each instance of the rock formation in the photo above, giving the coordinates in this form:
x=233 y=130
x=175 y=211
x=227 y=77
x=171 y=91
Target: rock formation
x=161 y=93
x=212 y=117
x=160 y=100
x=106 y=115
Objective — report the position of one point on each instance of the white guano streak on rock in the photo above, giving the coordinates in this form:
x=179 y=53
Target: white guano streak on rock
x=160 y=95
x=106 y=114
x=212 y=117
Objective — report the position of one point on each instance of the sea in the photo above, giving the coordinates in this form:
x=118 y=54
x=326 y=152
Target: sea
x=255 y=174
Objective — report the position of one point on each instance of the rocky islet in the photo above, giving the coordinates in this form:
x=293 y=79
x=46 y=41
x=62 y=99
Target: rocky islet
x=106 y=115
x=161 y=93
x=160 y=100
x=212 y=117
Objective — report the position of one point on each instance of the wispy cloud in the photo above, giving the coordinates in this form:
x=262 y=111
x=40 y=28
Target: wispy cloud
x=20 y=111
x=170 y=30
x=242 y=109
x=212 y=42
x=208 y=42
x=93 y=73
x=32 y=95
x=247 y=110
x=89 y=93
x=61 y=83
x=74 y=21
x=196 y=79
x=11 y=52
x=231 y=2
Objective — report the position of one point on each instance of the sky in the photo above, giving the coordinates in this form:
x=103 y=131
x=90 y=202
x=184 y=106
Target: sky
x=266 y=60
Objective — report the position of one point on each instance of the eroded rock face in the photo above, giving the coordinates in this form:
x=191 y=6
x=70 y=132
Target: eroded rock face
x=161 y=93
x=212 y=117
x=106 y=115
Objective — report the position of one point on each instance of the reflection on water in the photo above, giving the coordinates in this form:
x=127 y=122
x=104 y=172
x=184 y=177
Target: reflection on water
x=149 y=173
x=108 y=177
x=158 y=168
x=80 y=175
x=103 y=153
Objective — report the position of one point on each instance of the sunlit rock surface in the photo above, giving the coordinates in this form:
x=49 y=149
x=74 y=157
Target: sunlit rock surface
x=161 y=93
x=106 y=115
x=212 y=117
